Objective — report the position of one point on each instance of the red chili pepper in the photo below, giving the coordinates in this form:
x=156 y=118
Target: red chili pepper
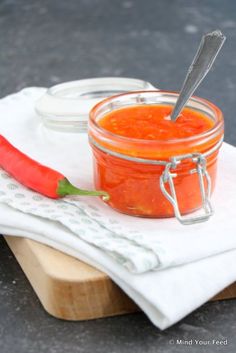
x=36 y=176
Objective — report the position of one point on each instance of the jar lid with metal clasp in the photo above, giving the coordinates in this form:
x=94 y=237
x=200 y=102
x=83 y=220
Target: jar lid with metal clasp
x=65 y=107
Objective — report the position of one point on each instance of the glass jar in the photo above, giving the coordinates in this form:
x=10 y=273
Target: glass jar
x=157 y=178
x=65 y=107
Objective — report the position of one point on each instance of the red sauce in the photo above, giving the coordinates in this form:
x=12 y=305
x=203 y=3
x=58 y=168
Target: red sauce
x=134 y=187
x=151 y=122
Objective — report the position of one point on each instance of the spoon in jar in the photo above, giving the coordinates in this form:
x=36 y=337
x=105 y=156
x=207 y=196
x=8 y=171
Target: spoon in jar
x=207 y=52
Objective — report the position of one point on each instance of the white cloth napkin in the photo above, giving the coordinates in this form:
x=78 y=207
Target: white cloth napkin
x=118 y=244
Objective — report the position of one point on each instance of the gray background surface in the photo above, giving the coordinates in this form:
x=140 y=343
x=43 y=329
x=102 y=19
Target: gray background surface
x=46 y=42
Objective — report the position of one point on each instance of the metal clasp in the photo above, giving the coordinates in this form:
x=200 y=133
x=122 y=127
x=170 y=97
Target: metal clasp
x=167 y=177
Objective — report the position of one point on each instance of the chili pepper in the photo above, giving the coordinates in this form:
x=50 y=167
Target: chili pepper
x=38 y=177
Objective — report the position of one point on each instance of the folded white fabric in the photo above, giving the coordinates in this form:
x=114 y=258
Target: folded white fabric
x=118 y=244
x=165 y=296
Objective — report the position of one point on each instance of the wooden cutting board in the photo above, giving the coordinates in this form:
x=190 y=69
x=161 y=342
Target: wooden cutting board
x=69 y=289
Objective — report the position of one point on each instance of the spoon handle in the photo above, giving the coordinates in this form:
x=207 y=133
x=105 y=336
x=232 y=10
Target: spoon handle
x=208 y=50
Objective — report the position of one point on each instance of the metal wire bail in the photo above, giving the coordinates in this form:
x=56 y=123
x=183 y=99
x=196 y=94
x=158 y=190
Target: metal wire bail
x=167 y=177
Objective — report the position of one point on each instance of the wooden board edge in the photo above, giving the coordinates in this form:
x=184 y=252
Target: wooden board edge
x=70 y=300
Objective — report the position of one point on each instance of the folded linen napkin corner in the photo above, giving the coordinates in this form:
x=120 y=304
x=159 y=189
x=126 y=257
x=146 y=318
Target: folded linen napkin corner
x=172 y=261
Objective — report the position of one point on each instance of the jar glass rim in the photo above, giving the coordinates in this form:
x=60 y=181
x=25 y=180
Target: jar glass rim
x=219 y=121
x=85 y=87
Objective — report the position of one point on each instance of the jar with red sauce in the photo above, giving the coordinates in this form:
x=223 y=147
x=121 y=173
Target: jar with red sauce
x=151 y=166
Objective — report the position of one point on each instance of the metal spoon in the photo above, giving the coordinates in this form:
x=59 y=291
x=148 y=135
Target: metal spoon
x=208 y=50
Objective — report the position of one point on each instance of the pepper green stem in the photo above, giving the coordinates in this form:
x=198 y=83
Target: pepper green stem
x=66 y=188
